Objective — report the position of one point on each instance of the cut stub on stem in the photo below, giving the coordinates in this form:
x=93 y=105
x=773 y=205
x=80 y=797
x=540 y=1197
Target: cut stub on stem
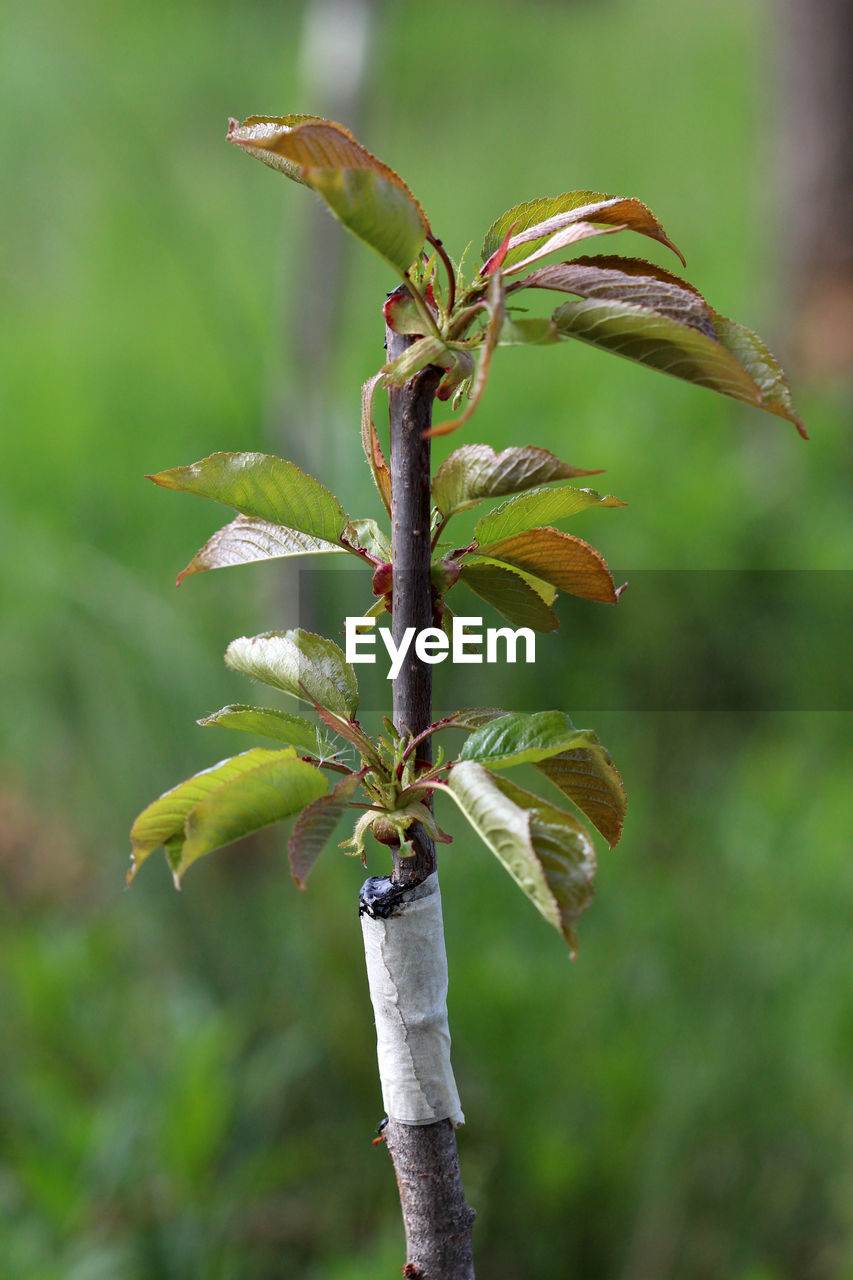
x=407 y=975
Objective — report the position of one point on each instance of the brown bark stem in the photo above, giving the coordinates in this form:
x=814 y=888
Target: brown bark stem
x=410 y=413
x=436 y=1216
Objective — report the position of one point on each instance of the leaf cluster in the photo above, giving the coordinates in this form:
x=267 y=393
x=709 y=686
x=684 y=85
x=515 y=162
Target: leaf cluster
x=546 y=849
x=517 y=560
x=511 y=563
x=625 y=305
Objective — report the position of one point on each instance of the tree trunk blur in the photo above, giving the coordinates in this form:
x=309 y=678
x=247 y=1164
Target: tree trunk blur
x=817 y=199
x=302 y=418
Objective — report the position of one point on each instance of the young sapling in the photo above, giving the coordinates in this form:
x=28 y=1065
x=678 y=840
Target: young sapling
x=443 y=327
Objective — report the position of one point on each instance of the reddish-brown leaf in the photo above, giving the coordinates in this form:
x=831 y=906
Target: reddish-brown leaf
x=632 y=280
x=315 y=826
x=589 y=778
x=568 y=563
x=536 y=220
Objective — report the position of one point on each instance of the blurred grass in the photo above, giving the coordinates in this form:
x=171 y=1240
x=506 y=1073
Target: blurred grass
x=188 y=1085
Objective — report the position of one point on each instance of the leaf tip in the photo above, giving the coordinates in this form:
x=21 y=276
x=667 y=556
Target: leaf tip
x=570 y=936
x=670 y=244
x=619 y=590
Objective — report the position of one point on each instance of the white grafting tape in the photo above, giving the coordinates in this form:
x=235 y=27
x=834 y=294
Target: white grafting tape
x=407 y=974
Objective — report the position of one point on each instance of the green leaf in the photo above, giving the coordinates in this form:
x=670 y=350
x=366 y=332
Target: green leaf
x=370 y=199
x=589 y=778
x=167 y=821
x=762 y=366
x=447 y=620
x=256 y=799
x=543 y=589
x=414 y=359
x=474 y=717
x=568 y=563
x=475 y=472
x=247 y=539
x=370 y=442
x=522 y=738
x=367 y=534
x=164 y=818
x=377 y=609
x=541 y=506
x=532 y=223
x=546 y=851
x=643 y=284
x=269 y=723
x=315 y=826
x=264 y=487
x=444 y=572
x=510 y=593
x=585 y=774
x=529 y=331
x=308 y=666
x=724 y=363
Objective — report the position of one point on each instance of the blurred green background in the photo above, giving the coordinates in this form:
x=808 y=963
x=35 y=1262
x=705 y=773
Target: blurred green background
x=187 y=1082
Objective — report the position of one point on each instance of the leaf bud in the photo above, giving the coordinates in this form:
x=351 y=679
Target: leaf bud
x=385 y=832
x=382 y=580
x=443 y=574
